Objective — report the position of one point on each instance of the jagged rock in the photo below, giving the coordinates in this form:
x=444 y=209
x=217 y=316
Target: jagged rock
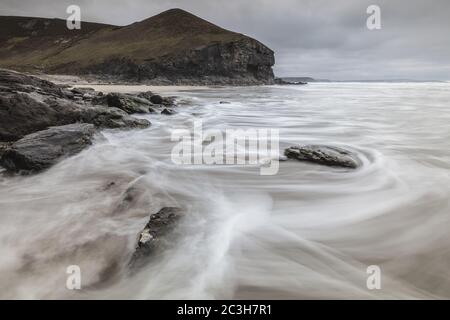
x=325 y=155
x=128 y=103
x=155 y=233
x=168 y=111
x=41 y=150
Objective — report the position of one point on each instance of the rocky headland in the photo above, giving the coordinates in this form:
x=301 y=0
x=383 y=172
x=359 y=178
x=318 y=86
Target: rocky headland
x=173 y=47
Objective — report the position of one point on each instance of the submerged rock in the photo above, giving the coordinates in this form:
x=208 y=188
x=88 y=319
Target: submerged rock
x=155 y=234
x=41 y=150
x=168 y=111
x=325 y=155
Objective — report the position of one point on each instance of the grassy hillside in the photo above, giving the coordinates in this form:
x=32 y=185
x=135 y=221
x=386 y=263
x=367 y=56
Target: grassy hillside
x=30 y=42
x=48 y=44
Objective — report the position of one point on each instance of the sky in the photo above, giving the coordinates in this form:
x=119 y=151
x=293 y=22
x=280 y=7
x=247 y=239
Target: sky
x=323 y=39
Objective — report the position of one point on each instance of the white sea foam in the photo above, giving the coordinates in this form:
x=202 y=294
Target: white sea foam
x=308 y=232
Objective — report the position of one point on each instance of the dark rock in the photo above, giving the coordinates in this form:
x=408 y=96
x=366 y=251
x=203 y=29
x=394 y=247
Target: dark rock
x=38 y=105
x=128 y=103
x=280 y=81
x=3 y=147
x=11 y=81
x=113 y=100
x=100 y=100
x=110 y=185
x=104 y=117
x=68 y=94
x=20 y=114
x=41 y=150
x=155 y=234
x=168 y=111
x=168 y=101
x=82 y=91
x=325 y=155
x=156 y=99
x=146 y=95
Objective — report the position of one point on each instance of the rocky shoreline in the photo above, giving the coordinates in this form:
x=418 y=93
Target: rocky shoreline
x=42 y=123
x=35 y=114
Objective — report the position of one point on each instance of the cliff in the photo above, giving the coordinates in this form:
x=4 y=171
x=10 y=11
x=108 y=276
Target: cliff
x=173 y=47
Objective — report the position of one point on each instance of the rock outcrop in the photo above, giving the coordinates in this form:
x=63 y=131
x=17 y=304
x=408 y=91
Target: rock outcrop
x=21 y=114
x=173 y=47
x=128 y=103
x=111 y=118
x=35 y=118
x=29 y=104
x=325 y=155
x=283 y=82
x=154 y=235
x=41 y=150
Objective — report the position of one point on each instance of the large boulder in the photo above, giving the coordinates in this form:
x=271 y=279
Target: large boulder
x=156 y=99
x=21 y=114
x=325 y=155
x=155 y=234
x=41 y=150
x=128 y=103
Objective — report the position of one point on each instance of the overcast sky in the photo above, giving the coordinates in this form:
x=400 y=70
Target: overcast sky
x=318 y=38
